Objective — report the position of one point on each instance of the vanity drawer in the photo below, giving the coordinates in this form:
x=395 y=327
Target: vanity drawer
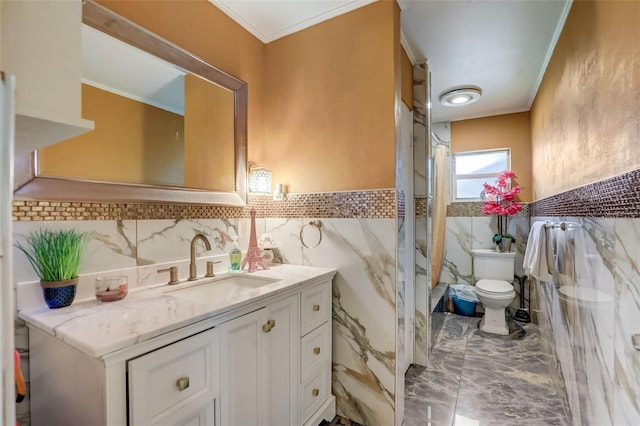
x=172 y=379
x=315 y=391
x=315 y=307
x=315 y=350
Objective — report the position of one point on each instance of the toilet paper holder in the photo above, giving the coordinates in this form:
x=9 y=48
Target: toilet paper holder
x=635 y=339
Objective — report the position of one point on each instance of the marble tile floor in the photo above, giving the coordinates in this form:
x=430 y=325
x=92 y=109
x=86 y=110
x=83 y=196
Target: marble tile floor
x=480 y=379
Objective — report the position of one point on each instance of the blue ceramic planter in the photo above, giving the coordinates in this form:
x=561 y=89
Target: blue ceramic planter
x=59 y=294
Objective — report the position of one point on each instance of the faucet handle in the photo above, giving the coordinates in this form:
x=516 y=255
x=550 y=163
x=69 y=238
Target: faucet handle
x=210 y=272
x=173 y=274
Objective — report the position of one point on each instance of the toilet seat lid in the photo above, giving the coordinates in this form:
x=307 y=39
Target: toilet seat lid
x=494 y=286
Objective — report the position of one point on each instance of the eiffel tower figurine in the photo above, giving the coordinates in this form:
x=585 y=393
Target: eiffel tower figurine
x=253 y=257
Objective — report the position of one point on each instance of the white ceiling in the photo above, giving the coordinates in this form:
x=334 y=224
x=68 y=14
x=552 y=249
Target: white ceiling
x=272 y=19
x=501 y=46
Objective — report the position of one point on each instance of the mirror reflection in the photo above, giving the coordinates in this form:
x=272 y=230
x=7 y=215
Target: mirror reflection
x=155 y=123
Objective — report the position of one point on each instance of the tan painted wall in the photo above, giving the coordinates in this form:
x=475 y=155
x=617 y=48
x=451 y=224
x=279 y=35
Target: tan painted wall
x=208 y=134
x=585 y=121
x=330 y=104
x=321 y=101
x=499 y=131
x=202 y=29
x=407 y=81
x=132 y=142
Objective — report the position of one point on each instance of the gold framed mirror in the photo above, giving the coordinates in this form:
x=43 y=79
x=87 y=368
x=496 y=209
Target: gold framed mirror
x=36 y=182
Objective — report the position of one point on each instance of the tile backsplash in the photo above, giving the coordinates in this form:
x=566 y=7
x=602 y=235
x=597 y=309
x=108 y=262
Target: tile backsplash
x=136 y=248
x=358 y=239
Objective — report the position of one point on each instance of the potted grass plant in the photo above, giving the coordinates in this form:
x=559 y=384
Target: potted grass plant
x=55 y=256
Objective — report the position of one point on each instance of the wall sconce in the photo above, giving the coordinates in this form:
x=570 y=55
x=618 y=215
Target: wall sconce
x=278 y=193
x=259 y=180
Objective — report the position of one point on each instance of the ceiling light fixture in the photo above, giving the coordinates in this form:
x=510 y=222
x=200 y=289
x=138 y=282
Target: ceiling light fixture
x=461 y=96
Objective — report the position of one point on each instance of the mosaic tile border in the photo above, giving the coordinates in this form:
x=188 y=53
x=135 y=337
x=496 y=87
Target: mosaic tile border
x=474 y=209
x=370 y=204
x=618 y=196
x=400 y=204
x=422 y=203
x=60 y=210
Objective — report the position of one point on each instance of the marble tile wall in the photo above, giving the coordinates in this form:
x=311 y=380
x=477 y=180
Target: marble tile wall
x=422 y=290
x=128 y=246
x=365 y=300
x=421 y=136
x=456 y=265
x=626 y=406
x=424 y=203
x=364 y=315
x=405 y=263
x=465 y=233
x=587 y=314
x=364 y=306
x=365 y=288
x=422 y=197
x=442 y=134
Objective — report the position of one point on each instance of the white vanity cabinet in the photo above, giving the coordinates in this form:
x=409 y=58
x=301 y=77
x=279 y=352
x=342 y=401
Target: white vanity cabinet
x=259 y=365
x=264 y=362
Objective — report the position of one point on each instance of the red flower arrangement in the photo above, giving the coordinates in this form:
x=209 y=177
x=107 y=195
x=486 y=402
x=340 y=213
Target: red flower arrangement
x=500 y=200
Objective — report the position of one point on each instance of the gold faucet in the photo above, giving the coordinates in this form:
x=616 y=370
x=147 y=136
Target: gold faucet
x=193 y=273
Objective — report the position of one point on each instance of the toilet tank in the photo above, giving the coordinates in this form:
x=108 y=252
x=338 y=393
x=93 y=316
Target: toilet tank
x=489 y=264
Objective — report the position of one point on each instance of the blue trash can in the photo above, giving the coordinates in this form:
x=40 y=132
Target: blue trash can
x=464 y=299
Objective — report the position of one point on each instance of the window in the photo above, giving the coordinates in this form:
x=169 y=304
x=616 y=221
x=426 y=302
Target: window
x=472 y=169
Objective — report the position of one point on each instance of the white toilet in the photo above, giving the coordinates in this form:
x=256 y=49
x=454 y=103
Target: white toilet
x=494 y=273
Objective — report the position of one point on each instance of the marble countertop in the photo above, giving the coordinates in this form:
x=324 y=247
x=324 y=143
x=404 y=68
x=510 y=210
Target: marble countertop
x=98 y=329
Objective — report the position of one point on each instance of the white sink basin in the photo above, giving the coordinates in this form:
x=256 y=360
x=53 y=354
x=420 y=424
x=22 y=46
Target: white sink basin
x=218 y=288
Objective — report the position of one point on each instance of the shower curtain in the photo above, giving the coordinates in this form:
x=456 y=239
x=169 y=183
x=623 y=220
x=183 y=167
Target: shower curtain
x=439 y=212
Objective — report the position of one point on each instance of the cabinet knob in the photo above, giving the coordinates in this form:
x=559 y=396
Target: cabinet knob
x=268 y=326
x=316 y=350
x=183 y=383
x=315 y=392
x=316 y=308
